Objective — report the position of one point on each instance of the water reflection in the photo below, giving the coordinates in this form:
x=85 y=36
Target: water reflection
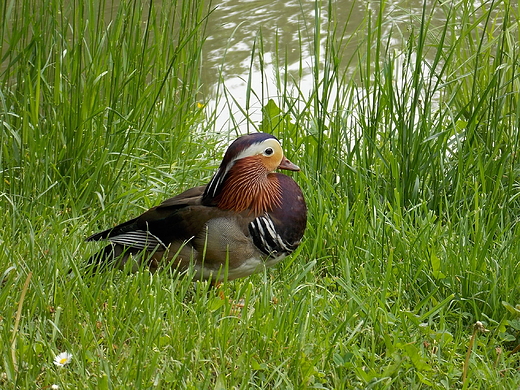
x=235 y=25
x=288 y=28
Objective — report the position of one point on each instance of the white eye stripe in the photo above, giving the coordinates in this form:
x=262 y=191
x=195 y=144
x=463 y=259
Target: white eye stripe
x=260 y=148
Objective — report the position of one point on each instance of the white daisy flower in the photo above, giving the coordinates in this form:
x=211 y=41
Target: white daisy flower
x=62 y=359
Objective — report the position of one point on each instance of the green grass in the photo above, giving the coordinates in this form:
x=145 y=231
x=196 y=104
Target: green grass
x=410 y=171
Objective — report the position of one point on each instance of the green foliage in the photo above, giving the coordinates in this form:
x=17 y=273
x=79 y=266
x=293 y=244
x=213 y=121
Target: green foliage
x=409 y=168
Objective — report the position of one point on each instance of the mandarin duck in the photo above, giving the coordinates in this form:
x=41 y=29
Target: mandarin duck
x=246 y=218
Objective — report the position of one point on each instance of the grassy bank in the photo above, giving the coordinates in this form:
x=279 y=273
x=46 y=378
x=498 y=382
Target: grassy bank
x=409 y=156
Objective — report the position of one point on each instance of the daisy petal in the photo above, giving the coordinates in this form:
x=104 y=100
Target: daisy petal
x=62 y=359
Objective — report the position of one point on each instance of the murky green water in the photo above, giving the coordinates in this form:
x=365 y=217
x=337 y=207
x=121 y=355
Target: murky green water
x=236 y=28
x=235 y=25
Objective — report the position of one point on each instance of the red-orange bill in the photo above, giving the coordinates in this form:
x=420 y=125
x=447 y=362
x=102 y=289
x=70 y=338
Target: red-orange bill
x=286 y=164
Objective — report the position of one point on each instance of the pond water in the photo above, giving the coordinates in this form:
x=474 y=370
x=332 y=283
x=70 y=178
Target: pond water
x=287 y=27
x=237 y=28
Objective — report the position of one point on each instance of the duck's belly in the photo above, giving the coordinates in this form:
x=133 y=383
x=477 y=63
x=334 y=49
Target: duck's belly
x=248 y=267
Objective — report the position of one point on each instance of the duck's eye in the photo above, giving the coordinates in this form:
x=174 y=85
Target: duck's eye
x=268 y=151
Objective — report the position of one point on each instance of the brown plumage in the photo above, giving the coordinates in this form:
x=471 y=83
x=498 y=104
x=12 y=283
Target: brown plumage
x=243 y=191
x=246 y=218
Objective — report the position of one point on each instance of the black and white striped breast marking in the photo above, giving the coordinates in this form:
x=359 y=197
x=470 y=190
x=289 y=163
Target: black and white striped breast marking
x=266 y=238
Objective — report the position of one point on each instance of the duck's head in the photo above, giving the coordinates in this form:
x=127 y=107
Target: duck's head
x=256 y=154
